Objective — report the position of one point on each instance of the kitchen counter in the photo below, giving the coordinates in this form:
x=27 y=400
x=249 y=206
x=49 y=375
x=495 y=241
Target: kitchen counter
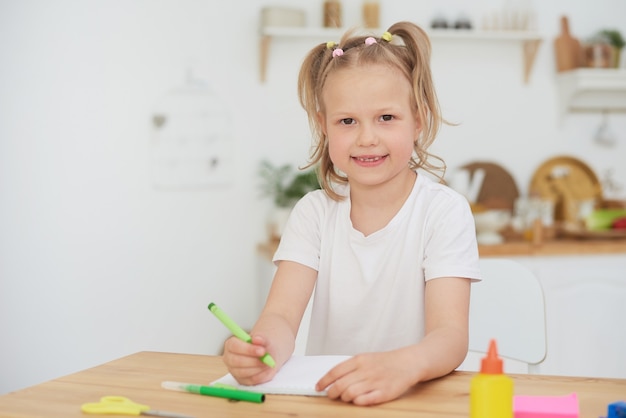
x=523 y=248
x=555 y=247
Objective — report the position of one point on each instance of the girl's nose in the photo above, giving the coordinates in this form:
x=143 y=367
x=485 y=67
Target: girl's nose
x=367 y=136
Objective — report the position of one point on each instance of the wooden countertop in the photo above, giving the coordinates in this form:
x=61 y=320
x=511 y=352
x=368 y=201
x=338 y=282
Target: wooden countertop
x=554 y=247
x=139 y=378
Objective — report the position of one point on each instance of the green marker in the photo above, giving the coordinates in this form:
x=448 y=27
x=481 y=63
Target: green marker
x=220 y=392
x=238 y=331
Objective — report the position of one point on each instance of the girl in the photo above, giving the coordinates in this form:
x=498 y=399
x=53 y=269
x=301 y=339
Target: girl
x=389 y=252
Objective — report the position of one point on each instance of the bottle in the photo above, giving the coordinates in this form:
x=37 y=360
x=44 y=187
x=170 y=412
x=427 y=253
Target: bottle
x=491 y=391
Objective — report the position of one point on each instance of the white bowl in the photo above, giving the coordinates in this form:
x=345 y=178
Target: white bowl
x=489 y=223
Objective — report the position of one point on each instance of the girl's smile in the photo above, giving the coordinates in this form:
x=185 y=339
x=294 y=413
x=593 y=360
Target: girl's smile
x=369 y=161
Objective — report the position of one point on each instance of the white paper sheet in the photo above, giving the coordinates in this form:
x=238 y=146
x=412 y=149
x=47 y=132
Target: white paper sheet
x=298 y=376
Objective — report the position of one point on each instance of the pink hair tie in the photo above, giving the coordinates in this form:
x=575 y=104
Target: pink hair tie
x=369 y=41
x=337 y=52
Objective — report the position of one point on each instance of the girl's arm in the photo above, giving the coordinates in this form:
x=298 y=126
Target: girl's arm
x=445 y=343
x=373 y=378
x=275 y=330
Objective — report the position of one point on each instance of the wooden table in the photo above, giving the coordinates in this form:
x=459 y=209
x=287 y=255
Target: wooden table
x=139 y=377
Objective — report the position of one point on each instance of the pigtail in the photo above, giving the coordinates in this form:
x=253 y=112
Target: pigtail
x=308 y=79
x=310 y=82
x=418 y=47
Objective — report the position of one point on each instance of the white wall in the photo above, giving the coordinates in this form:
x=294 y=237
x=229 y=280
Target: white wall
x=97 y=263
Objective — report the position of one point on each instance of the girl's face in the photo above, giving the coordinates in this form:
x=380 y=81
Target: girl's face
x=370 y=123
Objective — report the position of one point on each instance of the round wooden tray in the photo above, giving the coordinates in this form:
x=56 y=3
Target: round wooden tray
x=569 y=183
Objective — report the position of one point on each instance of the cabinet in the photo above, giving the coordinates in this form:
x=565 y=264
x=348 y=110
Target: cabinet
x=529 y=41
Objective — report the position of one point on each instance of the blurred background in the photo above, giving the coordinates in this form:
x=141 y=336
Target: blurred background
x=131 y=134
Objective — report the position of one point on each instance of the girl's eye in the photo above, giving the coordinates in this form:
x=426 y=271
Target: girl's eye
x=386 y=118
x=347 y=121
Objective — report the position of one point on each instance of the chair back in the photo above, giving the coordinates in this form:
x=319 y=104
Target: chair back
x=508 y=306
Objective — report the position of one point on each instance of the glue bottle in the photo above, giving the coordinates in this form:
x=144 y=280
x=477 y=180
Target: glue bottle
x=491 y=391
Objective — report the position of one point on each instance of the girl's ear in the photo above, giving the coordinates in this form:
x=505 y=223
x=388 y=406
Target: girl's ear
x=418 y=125
x=321 y=120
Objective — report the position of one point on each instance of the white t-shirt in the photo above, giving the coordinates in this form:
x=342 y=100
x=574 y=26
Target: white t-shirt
x=369 y=294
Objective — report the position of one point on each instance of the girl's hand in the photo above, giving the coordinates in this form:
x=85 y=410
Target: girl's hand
x=243 y=360
x=368 y=379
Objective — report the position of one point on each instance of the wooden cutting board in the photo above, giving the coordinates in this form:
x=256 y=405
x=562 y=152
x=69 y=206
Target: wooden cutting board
x=569 y=52
x=499 y=190
x=566 y=181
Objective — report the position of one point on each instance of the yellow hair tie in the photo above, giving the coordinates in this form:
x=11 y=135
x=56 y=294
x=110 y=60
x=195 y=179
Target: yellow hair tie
x=387 y=36
x=330 y=44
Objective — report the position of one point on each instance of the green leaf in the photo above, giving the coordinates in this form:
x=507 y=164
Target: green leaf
x=283 y=186
x=614 y=37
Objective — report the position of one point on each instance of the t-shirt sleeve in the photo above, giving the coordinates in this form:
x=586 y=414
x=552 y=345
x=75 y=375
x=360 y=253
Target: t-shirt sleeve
x=300 y=241
x=451 y=249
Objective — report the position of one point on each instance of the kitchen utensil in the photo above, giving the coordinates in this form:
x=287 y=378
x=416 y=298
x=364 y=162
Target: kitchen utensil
x=569 y=53
x=488 y=225
x=468 y=184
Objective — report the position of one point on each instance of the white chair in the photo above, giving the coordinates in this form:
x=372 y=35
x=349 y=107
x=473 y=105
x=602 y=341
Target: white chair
x=508 y=306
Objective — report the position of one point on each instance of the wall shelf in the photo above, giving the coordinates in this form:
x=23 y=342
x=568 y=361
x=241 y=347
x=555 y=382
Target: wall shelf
x=530 y=41
x=592 y=90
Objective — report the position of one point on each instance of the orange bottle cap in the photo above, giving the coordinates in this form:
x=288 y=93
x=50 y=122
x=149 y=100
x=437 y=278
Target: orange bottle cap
x=491 y=364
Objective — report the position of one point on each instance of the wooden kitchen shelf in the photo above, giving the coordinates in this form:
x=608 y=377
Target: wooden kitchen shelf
x=530 y=41
x=592 y=90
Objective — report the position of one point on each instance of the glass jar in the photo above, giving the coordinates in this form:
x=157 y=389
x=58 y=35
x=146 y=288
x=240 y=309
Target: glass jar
x=371 y=14
x=598 y=52
x=332 y=14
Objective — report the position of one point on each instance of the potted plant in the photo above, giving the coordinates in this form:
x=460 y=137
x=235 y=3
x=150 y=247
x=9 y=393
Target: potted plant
x=615 y=39
x=285 y=186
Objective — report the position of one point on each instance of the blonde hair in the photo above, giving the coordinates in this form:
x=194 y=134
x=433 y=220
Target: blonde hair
x=409 y=52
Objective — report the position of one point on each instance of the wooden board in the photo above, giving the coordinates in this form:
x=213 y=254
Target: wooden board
x=499 y=190
x=567 y=181
x=569 y=52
